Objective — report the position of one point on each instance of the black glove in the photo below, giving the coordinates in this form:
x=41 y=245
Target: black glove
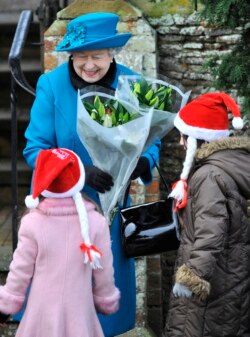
x=3 y=318
x=142 y=169
x=97 y=179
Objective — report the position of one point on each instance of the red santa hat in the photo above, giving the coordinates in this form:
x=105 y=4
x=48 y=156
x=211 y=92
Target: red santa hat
x=205 y=118
x=59 y=173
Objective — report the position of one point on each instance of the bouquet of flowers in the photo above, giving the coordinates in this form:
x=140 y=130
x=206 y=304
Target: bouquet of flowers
x=151 y=92
x=115 y=134
x=109 y=112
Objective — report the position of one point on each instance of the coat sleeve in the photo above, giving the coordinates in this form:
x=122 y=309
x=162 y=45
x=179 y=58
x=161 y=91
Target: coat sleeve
x=152 y=154
x=12 y=294
x=106 y=295
x=40 y=133
x=210 y=226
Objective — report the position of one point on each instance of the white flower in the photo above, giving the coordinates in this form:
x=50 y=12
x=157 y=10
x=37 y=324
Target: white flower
x=107 y=121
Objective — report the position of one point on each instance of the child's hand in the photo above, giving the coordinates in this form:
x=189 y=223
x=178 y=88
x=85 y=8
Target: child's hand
x=3 y=319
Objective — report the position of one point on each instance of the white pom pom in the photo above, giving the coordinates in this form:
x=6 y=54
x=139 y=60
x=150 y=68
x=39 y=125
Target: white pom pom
x=237 y=123
x=30 y=202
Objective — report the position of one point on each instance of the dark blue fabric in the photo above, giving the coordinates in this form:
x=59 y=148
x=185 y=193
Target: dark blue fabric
x=124 y=319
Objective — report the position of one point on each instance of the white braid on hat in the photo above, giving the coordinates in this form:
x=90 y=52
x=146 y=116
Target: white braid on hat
x=179 y=189
x=92 y=255
x=191 y=149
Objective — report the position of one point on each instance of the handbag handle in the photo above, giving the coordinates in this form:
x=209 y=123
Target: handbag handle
x=168 y=189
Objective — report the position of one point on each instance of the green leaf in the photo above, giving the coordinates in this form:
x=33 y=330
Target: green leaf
x=114 y=121
x=93 y=115
x=97 y=102
x=160 y=89
x=88 y=106
x=149 y=95
x=154 y=102
x=136 y=88
x=125 y=117
x=145 y=87
x=161 y=106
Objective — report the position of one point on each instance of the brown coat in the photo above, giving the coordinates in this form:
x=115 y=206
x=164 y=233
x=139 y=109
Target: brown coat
x=214 y=255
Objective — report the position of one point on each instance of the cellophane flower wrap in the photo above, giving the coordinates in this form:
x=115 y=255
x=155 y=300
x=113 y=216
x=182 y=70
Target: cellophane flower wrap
x=115 y=145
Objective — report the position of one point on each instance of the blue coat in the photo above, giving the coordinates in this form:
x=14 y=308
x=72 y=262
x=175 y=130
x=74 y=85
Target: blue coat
x=53 y=124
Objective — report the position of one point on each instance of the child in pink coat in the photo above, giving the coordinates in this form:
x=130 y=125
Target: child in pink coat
x=64 y=248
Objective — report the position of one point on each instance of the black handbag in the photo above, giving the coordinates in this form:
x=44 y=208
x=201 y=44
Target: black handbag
x=149 y=228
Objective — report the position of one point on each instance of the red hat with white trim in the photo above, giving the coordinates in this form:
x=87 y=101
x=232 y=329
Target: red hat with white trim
x=59 y=173
x=205 y=118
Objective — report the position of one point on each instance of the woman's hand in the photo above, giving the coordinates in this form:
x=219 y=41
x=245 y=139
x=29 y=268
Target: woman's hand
x=97 y=179
x=142 y=168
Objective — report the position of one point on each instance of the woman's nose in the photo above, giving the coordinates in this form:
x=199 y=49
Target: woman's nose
x=89 y=64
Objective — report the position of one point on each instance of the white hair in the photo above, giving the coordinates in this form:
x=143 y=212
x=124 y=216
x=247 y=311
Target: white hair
x=114 y=51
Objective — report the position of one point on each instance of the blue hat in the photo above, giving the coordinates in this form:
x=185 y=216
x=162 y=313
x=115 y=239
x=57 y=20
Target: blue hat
x=93 y=31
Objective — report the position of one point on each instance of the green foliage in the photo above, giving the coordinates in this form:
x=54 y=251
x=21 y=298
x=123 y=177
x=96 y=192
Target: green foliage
x=231 y=72
x=108 y=112
x=152 y=94
x=228 y=13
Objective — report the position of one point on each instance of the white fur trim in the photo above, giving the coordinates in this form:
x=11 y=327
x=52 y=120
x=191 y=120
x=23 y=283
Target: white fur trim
x=237 y=123
x=30 y=202
x=199 y=133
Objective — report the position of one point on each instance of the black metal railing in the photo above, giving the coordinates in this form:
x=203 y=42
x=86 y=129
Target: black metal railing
x=46 y=13
x=17 y=79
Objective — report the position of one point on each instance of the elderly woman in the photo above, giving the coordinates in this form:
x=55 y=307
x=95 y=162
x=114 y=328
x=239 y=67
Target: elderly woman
x=90 y=40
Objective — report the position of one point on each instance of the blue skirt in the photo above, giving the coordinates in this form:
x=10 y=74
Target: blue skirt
x=124 y=319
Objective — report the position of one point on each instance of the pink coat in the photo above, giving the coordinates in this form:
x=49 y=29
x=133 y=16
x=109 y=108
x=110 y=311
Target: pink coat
x=65 y=293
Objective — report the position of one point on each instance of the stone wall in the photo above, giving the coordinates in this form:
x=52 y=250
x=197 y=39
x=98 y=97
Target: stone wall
x=183 y=45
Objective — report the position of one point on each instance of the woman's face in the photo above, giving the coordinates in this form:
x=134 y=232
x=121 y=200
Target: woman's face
x=92 y=65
